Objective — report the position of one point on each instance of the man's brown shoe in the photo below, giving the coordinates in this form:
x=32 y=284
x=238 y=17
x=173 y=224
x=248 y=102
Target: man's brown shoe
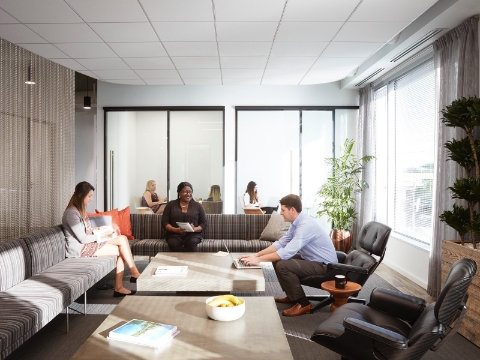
x=298 y=310
x=283 y=300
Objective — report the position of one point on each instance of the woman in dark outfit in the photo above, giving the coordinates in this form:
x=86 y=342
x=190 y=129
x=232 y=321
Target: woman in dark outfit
x=184 y=209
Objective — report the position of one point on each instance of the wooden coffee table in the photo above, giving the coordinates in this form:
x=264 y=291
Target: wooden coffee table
x=206 y=272
x=258 y=334
x=340 y=295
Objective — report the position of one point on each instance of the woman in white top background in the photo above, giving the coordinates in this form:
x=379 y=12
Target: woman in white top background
x=250 y=198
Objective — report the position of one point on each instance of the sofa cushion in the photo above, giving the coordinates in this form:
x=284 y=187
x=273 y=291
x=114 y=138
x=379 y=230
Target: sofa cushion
x=15 y=263
x=226 y=226
x=47 y=248
x=218 y=245
x=276 y=228
x=256 y=224
x=147 y=226
x=149 y=247
x=258 y=245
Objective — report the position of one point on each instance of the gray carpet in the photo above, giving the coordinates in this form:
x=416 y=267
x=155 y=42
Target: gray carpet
x=53 y=343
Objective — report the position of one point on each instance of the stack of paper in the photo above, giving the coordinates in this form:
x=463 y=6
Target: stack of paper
x=144 y=333
x=171 y=270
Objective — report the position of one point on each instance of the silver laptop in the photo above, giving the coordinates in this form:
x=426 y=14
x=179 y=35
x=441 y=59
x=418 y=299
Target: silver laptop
x=239 y=264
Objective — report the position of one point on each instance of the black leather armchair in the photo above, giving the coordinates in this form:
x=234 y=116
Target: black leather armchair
x=395 y=325
x=358 y=265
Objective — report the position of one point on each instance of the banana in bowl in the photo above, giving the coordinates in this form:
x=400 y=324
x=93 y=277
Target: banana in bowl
x=225 y=307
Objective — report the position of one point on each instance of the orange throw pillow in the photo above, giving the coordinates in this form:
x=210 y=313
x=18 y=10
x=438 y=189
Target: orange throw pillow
x=115 y=218
x=125 y=225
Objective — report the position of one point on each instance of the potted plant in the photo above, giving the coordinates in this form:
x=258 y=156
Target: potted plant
x=464 y=113
x=337 y=194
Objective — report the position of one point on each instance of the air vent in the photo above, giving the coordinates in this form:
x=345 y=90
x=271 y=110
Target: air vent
x=370 y=76
x=424 y=39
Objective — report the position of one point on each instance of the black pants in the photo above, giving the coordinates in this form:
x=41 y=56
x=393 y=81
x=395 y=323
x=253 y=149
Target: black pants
x=289 y=272
x=184 y=243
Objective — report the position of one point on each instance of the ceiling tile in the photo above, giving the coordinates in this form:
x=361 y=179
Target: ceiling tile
x=319 y=10
x=294 y=48
x=249 y=10
x=188 y=48
x=200 y=73
x=242 y=73
x=246 y=31
x=243 y=62
x=293 y=62
x=127 y=82
x=307 y=31
x=88 y=73
x=101 y=11
x=185 y=31
x=116 y=74
x=324 y=76
x=390 y=10
x=45 y=11
x=284 y=73
x=65 y=33
x=196 y=62
x=104 y=64
x=7 y=19
x=338 y=63
x=164 y=81
x=124 y=32
x=158 y=74
x=48 y=51
x=351 y=49
x=18 y=33
x=202 y=81
x=69 y=63
x=241 y=81
x=369 y=31
x=232 y=48
x=281 y=81
x=141 y=49
x=178 y=10
x=86 y=50
x=149 y=63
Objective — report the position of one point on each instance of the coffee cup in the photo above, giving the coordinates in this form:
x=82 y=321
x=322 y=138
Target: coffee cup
x=340 y=281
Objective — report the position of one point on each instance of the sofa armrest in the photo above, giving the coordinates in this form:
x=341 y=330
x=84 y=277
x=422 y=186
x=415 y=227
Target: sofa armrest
x=375 y=332
x=397 y=304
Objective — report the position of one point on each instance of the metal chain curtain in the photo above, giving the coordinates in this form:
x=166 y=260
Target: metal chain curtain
x=37 y=141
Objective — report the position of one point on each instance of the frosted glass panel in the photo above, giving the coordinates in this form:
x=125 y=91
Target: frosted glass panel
x=196 y=143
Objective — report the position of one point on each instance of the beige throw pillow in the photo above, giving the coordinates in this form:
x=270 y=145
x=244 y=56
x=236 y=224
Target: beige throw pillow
x=276 y=228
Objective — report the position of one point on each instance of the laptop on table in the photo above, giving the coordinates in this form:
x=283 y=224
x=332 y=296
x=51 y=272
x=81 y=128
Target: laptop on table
x=238 y=263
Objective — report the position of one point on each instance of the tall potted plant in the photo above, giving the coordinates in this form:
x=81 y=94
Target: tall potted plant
x=337 y=194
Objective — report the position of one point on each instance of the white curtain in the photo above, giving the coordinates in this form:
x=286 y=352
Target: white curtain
x=456 y=71
x=365 y=144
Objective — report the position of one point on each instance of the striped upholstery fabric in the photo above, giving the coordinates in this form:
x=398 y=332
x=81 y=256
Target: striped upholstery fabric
x=147 y=226
x=46 y=247
x=15 y=263
x=258 y=245
x=149 y=247
x=216 y=245
x=255 y=225
x=226 y=226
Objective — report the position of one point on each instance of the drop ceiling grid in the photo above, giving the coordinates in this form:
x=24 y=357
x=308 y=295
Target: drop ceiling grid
x=318 y=41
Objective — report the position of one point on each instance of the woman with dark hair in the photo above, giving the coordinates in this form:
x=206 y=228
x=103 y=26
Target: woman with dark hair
x=250 y=197
x=184 y=209
x=81 y=242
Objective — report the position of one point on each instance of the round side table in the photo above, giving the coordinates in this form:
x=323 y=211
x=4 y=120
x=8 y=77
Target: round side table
x=340 y=295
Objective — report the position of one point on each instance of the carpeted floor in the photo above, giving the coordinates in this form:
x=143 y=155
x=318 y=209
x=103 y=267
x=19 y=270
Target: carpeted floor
x=53 y=343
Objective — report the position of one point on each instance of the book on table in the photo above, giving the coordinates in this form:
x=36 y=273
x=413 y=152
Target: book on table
x=170 y=270
x=143 y=332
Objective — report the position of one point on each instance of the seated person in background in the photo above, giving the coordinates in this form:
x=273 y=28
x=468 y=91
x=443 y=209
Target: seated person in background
x=150 y=198
x=250 y=198
x=81 y=242
x=215 y=194
x=184 y=209
x=304 y=250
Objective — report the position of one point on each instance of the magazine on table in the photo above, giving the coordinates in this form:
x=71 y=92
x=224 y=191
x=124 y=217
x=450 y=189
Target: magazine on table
x=143 y=332
x=170 y=270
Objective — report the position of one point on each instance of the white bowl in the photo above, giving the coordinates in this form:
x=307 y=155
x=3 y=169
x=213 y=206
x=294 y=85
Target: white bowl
x=225 y=313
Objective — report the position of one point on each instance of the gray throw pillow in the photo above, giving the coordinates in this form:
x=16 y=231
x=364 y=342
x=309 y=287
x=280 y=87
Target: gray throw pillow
x=276 y=228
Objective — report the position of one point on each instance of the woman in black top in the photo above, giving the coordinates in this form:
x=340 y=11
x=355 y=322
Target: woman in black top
x=184 y=209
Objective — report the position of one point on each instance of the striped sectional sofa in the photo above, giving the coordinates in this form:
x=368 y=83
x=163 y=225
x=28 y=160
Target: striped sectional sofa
x=241 y=233
x=37 y=282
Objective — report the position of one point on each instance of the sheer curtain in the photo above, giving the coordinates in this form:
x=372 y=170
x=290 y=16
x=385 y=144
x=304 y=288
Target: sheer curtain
x=365 y=143
x=456 y=70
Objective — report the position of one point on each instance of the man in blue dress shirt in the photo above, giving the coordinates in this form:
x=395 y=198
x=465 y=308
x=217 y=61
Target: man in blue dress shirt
x=304 y=250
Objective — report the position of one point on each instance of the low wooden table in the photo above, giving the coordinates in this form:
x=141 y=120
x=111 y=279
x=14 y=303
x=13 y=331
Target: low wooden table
x=340 y=295
x=206 y=272
x=258 y=334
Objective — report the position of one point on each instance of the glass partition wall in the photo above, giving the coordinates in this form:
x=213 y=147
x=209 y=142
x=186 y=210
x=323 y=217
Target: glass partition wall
x=168 y=146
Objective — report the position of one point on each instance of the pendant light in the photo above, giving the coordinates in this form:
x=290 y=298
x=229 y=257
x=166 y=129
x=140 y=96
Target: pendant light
x=29 y=80
x=87 y=100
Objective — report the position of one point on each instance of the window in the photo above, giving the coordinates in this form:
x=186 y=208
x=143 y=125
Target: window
x=405 y=118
